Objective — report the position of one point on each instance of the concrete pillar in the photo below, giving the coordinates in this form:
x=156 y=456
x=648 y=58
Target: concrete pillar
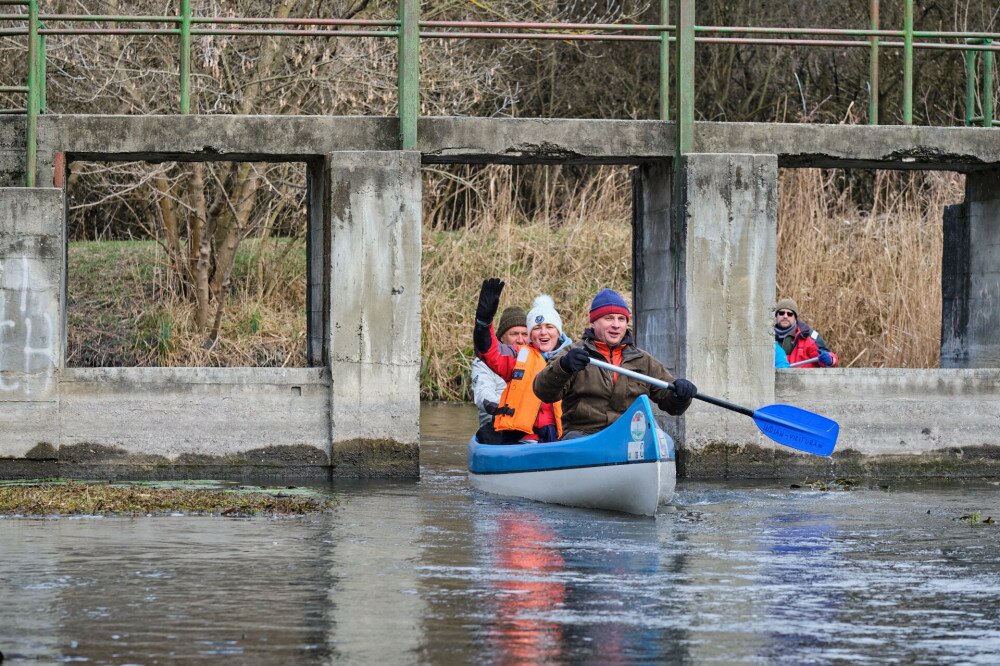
x=970 y=276
x=374 y=306
x=704 y=275
x=31 y=322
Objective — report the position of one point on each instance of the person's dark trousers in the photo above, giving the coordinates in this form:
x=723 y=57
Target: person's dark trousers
x=487 y=435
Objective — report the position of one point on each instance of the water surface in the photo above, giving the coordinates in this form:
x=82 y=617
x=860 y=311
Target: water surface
x=433 y=572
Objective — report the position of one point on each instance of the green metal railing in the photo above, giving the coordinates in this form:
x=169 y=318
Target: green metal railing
x=677 y=36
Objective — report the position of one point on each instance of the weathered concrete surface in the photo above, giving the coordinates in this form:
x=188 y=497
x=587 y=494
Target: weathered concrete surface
x=704 y=285
x=172 y=422
x=901 y=422
x=374 y=343
x=505 y=140
x=894 y=423
x=31 y=277
x=970 y=330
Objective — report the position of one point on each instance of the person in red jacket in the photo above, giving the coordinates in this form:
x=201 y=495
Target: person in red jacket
x=799 y=341
x=520 y=416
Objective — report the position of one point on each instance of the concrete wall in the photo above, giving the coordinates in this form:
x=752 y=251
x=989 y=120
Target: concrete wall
x=31 y=278
x=181 y=423
x=374 y=341
x=893 y=422
x=970 y=331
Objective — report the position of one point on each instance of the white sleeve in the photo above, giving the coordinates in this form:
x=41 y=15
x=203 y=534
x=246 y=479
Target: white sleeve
x=486 y=384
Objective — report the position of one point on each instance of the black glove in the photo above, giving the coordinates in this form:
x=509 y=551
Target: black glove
x=481 y=339
x=489 y=301
x=490 y=407
x=684 y=389
x=576 y=359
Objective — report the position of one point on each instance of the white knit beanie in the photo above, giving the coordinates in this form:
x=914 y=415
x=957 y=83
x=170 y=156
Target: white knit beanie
x=543 y=311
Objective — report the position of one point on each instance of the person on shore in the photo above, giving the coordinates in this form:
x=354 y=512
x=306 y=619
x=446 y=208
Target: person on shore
x=799 y=341
x=488 y=386
x=521 y=416
x=780 y=357
x=593 y=398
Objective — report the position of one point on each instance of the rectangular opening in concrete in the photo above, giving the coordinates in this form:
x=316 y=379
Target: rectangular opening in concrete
x=560 y=230
x=187 y=264
x=860 y=251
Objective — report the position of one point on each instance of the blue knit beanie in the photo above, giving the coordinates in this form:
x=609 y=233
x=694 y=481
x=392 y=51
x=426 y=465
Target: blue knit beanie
x=608 y=301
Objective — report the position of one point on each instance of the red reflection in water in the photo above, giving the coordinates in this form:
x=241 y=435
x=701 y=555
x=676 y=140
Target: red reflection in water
x=525 y=550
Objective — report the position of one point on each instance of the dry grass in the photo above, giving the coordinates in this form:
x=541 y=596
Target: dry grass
x=868 y=276
x=122 y=313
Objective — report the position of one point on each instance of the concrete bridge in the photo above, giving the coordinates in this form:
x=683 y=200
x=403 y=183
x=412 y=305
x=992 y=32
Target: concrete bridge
x=704 y=284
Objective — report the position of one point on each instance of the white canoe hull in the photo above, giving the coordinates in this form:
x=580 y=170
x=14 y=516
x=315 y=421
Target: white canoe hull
x=637 y=488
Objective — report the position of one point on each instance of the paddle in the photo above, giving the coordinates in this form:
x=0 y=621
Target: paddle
x=805 y=362
x=787 y=425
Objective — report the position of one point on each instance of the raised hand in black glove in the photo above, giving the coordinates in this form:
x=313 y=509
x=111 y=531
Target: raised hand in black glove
x=684 y=389
x=489 y=301
x=576 y=359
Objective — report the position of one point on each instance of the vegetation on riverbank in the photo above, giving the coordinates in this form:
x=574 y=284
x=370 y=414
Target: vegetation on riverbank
x=63 y=497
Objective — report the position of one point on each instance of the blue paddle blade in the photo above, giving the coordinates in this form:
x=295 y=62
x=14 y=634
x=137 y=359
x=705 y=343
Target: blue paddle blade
x=798 y=428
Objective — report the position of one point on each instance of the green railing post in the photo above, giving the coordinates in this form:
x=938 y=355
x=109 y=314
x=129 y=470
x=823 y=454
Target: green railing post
x=988 y=86
x=665 y=61
x=873 y=88
x=409 y=72
x=908 y=62
x=33 y=105
x=41 y=60
x=684 y=76
x=185 y=46
x=970 y=85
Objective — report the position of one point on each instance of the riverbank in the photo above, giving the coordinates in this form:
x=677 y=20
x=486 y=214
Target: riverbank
x=66 y=497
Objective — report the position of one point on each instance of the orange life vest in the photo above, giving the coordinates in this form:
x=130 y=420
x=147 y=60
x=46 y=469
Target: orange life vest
x=520 y=397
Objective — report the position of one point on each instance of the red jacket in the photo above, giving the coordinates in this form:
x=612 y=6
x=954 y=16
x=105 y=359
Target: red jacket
x=803 y=344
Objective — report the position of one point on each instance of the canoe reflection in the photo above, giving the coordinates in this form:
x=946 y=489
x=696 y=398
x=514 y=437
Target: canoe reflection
x=526 y=550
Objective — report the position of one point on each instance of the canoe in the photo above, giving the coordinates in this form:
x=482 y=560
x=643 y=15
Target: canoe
x=629 y=466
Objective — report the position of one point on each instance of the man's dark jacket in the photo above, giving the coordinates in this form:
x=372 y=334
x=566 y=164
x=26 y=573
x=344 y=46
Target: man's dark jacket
x=590 y=399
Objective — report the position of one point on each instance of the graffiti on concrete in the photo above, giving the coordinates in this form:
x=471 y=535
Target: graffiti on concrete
x=27 y=334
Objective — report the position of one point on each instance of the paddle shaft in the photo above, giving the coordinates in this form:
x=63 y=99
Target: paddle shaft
x=667 y=385
x=798 y=363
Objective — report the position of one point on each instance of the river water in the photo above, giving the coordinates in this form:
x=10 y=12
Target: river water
x=433 y=572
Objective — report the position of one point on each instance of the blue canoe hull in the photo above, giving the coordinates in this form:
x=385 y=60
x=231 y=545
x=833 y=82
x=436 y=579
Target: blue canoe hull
x=626 y=467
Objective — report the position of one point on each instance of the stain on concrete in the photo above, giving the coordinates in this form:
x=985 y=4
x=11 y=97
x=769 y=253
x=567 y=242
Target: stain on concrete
x=42 y=451
x=726 y=461
x=375 y=458
x=103 y=453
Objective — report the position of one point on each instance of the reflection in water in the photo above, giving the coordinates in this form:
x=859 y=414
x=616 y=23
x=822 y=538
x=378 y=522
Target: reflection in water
x=432 y=572
x=528 y=586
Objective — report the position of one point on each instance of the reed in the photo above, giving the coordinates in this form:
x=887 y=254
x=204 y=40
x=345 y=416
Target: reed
x=867 y=275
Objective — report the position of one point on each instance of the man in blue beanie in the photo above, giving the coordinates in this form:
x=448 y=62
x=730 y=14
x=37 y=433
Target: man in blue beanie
x=593 y=398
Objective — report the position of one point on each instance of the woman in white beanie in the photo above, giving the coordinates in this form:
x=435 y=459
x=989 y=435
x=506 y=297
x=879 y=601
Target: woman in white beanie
x=521 y=416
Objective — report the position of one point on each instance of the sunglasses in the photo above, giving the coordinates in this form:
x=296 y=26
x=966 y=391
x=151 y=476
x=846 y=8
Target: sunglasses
x=784 y=313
